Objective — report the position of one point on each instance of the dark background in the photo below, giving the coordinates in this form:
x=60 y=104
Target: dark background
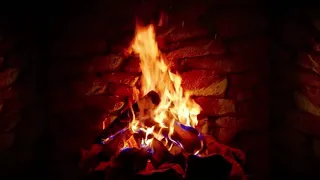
x=37 y=20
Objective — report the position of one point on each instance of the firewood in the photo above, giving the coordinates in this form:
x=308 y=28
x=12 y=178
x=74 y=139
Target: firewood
x=188 y=137
x=211 y=166
x=167 y=171
x=127 y=163
x=122 y=121
x=160 y=153
x=114 y=143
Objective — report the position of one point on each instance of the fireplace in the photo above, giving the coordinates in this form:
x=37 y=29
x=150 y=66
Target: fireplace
x=208 y=75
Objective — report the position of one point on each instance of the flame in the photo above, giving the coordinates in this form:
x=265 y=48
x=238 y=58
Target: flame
x=175 y=104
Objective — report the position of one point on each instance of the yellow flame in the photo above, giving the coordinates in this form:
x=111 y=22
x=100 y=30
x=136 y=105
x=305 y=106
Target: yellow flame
x=175 y=104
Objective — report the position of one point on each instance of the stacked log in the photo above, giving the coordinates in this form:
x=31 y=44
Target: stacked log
x=92 y=78
x=297 y=61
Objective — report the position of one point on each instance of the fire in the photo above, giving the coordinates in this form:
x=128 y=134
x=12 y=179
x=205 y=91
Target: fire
x=175 y=105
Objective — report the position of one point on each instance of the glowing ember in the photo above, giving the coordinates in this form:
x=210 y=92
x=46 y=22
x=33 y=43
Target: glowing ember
x=175 y=107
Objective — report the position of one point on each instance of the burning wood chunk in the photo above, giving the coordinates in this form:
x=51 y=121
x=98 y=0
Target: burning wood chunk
x=160 y=153
x=8 y=77
x=220 y=63
x=235 y=22
x=74 y=49
x=216 y=107
x=201 y=49
x=305 y=122
x=115 y=143
x=107 y=120
x=133 y=65
x=188 y=137
x=107 y=103
x=309 y=61
x=312 y=93
x=166 y=171
x=304 y=104
x=204 y=83
x=129 y=79
x=214 y=165
x=180 y=33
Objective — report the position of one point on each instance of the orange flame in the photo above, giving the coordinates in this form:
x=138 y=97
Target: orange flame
x=175 y=104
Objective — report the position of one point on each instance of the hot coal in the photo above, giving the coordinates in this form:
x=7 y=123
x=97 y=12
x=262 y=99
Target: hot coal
x=215 y=166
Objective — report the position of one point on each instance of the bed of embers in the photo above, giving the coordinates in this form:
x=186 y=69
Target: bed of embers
x=156 y=136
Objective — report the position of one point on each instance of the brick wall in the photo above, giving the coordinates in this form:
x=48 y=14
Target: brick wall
x=296 y=52
x=222 y=56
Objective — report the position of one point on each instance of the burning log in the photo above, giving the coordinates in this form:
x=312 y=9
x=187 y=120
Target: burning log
x=188 y=137
x=214 y=165
x=115 y=143
x=122 y=121
x=160 y=153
